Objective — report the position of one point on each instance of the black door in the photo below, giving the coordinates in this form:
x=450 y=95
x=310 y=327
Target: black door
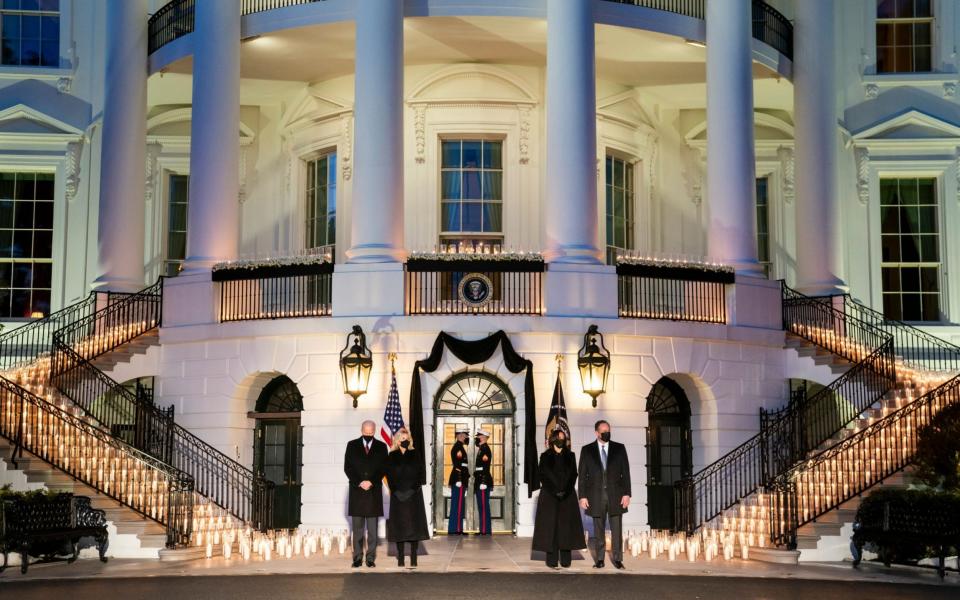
x=669 y=449
x=279 y=442
x=277 y=448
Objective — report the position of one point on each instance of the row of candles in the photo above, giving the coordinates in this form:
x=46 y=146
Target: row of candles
x=280 y=544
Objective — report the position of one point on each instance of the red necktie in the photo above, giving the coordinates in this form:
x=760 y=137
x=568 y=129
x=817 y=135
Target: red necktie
x=366 y=448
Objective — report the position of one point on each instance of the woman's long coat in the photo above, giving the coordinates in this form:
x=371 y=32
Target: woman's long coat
x=558 y=525
x=408 y=519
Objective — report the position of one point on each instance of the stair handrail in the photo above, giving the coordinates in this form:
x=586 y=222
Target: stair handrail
x=905 y=422
x=115 y=324
x=796 y=431
x=246 y=495
x=39 y=436
x=916 y=347
x=29 y=341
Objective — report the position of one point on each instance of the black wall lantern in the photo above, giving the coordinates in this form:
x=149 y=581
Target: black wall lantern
x=355 y=364
x=593 y=360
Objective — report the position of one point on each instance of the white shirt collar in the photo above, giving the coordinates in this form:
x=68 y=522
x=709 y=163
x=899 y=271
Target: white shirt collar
x=602 y=443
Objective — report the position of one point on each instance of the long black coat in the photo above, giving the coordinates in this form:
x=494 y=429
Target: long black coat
x=362 y=466
x=408 y=519
x=558 y=513
x=591 y=481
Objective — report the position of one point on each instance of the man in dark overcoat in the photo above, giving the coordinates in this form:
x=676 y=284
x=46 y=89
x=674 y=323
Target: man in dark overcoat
x=364 y=463
x=604 y=489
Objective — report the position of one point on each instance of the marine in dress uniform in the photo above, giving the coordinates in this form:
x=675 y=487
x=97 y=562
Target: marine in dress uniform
x=483 y=481
x=459 y=482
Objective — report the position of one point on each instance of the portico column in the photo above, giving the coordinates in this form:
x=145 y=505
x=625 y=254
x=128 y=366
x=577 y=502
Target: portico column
x=213 y=213
x=120 y=222
x=731 y=172
x=376 y=225
x=570 y=213
x=815 y=117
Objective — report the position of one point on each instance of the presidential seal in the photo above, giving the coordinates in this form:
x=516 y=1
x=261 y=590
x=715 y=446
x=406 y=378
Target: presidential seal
x=475 y=290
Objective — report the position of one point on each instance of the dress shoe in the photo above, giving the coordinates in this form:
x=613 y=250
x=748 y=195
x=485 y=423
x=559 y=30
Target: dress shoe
x=618 y=564
x=413 y=560
x=371 y=564
x=400 y=561
x=357 y=563
x=598 y=564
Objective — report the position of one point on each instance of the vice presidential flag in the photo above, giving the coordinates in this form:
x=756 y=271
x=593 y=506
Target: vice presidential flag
x=557 y=418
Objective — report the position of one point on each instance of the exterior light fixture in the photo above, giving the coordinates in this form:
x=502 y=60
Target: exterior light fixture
x=356 y=361
x=593 y=360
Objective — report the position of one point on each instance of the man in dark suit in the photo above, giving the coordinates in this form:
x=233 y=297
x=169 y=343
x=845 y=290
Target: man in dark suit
x=603 y=486
x=364 y=464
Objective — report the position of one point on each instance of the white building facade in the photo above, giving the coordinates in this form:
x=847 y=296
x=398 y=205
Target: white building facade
x=810 y=141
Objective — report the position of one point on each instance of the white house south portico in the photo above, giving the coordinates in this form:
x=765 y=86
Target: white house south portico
x=299 y=205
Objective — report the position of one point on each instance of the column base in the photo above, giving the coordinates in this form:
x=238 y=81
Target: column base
x=368 y=290
x=106 y=283
x=582 y=255
x=580 y=290
x=375 y=253
x=834 y=287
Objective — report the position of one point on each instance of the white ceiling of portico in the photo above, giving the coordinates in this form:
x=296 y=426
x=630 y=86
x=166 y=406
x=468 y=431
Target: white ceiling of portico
x=670 y=70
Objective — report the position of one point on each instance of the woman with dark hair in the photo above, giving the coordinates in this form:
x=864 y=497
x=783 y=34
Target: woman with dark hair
x=558 y=529
x=408 y=520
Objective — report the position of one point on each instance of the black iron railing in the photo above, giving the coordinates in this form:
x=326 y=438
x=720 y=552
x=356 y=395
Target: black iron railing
x=854 y=465
x=94 y=457
x=917 y=348
x=772 y=28
x=175 y=19
x=787 y=436
x=672 y=292
x=473 y=287
x=785 y=439
x=224 y=481
x=275 y=292
x=28 y=342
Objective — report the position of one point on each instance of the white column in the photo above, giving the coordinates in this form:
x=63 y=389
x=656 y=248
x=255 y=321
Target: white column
x=213 y=214
x=571 y=201
x=120 y=221
x=731 y=172
x=376 y=232
x=815 y=118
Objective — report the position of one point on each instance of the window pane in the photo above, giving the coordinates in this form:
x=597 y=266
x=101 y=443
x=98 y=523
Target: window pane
x=471 y=154
x=44 y=189
x=929 y=279
x=492 y=217
x=493 y=185
x=910 y=248
x=450 y=185
x=450 y=216
x=886 y=9
x=450 y=151
x=928 y=249
x=885 y=58
x=26 y=186
x=42 y=274
x=931 y=307
x=491 y=155
x=903 y=59
x=922 y=60
x=909 y=219
x=890 y=248
x=471 y=185
x=472 y=216
x=6 y=213
x=889 y=219
x=43 y=244
x=912 y=307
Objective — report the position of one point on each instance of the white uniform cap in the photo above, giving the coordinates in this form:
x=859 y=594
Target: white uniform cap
x=463 y=430
x=483 y=432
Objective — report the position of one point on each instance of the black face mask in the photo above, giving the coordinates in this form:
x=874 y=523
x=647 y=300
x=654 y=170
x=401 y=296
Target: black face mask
x=466 y=442
x=368 y=438
x=405 y=444
x=476 y=441
x=605 y=437
x=559 y=443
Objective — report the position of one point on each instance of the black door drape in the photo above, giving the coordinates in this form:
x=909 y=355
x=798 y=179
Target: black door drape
x=473 y=352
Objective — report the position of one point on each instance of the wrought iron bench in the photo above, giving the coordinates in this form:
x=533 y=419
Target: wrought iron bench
x=50 y=527
x=889 y=524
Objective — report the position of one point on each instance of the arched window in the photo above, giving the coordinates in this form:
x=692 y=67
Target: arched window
x=475 y=392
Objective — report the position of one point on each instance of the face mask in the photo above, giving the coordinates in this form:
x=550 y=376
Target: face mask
x=368 y=438
x=605 y=436
x=476 y=441
x=405 y=444
x=559 y=443
x=466 y=442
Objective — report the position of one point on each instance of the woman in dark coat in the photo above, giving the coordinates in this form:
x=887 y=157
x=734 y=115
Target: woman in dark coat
x=408 y=519
x=558 y=528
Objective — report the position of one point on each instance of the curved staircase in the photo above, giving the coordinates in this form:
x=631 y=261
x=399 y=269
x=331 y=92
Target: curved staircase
x=85 y=431
x=797 y=483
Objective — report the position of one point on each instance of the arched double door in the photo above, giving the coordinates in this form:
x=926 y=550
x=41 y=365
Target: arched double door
x=475 y=400
x=669 y=449
x=278 y=447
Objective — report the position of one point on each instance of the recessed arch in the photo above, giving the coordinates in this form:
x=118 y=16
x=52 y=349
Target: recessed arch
x=278 y=447
x=469 y=392
x=669 y=449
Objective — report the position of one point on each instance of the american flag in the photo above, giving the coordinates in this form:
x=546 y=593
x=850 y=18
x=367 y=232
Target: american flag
x=392 y=415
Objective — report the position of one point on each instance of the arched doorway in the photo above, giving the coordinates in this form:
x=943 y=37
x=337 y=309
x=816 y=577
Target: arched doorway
x=277 y=447
x=475 y=400
x=669 y=449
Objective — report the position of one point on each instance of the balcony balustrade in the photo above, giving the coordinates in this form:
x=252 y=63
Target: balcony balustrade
x=673 y=291
x=274 y=291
